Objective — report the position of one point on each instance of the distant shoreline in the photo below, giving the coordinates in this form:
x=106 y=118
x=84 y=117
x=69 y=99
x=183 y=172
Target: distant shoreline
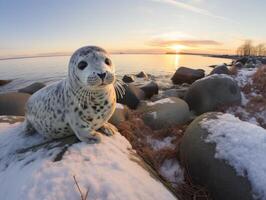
x=167 y=53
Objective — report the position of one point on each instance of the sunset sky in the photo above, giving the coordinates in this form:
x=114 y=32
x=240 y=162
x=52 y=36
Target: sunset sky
x=31 y=27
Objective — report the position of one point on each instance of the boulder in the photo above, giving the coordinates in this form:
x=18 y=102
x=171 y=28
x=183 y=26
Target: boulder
x=132 y=96
x=4 y=82
x=250 y=65
x=166 y=113
x=235 y=67
x=120 y=115
x=242 y=60
x=128 y=78
x=263 y=61
x=34 y=87
x=187 y=75
x=205 y=165
x=142 y=74
x=212 y=92
x=238 y=65
x=220 y=69
x=150 y=89
x=11 y=119
x=174 y=92
x=13 y=103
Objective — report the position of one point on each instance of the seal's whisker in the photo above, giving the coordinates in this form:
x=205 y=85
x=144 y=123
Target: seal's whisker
x=119 y=88
x=119 y=84
x=119 y=92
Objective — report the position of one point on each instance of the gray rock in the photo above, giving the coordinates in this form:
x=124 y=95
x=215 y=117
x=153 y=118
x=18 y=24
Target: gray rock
x=13 y=103
x=238 y=65
x=170 y=112
x=250 y=65
x=220 y=69
x=4 y=82
x=150 y=89
x=142 y=74
x=187 y=75
x=120 y=115
x=174 y=92
x=132 y=96
x=263 y=61
x=34 y=87
x=243 y=60
x=209 y=93
x=128 y=79
x=217 y=175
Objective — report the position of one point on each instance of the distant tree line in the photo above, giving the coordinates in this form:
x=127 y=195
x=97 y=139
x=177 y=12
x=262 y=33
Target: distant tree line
x=248 y=49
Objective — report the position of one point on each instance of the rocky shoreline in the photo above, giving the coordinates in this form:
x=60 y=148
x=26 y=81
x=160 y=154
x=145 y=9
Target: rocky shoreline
x=191 y=133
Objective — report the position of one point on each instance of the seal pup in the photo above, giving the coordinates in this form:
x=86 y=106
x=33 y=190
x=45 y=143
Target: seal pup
x=80 y=104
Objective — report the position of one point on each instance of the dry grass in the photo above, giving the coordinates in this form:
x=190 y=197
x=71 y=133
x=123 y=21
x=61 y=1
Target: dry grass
x=137 y=133
x=82 y=195
x=256 y=104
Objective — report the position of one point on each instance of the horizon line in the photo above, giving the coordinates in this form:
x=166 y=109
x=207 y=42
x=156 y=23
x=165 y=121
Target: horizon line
x=113 y=53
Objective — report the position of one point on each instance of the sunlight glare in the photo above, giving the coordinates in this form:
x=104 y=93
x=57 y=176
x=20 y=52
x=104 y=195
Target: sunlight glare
x=178 y=47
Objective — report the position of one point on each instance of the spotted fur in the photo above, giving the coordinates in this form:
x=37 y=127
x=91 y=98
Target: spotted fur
x=80 y=104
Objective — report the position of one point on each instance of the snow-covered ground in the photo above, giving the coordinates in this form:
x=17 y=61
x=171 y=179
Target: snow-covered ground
x=243 y=145
x=109 y=170
x=244 y=77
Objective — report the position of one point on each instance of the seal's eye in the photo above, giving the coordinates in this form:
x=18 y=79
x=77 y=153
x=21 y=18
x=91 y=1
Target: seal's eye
x=82 y=65
x=108 y=61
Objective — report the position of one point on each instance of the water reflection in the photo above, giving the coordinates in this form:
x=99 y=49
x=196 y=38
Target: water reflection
x=56 y=67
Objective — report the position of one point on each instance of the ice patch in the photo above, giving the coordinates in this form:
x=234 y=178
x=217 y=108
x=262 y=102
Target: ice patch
x=243 y=145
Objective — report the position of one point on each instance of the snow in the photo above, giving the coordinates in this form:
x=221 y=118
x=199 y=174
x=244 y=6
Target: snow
x=243 y=145
x=119 y=106
x=244 y=76
x=162 y=101
x=161 y=144
x=244 y=99
x=109 y=170
x=172 y=172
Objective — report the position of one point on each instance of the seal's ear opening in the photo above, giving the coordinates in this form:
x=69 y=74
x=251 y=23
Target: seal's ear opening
x=82 y=65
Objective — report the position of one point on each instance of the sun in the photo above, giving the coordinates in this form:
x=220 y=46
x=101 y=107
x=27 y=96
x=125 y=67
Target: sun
x=177 y=47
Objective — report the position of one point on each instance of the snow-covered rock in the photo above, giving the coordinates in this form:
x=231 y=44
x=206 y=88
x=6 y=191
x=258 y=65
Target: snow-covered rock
x=166 y=112
x=226 y=155
x=212 y=92
x=109 y=170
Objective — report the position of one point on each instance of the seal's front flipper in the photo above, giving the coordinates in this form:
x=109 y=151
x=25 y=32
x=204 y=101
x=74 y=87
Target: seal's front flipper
x=91 y=137
x=86 y=135
x=108 y=129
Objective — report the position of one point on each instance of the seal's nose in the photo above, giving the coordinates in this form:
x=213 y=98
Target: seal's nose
x=101 y=75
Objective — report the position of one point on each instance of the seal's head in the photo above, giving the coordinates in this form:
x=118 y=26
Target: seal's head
x=91 y=67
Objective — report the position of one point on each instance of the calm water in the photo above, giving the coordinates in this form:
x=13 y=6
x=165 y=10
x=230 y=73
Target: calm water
x=50 y=69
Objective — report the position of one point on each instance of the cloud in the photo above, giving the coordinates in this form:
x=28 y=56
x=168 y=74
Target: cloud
x=185 y=42
x=192 y=8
